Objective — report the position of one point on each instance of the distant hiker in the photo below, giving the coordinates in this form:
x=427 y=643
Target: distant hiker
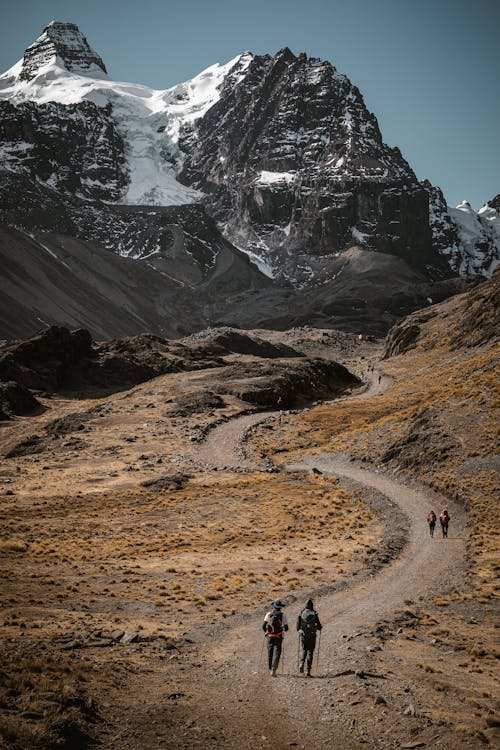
x=444 y=520
x=379 y=379
x=431 y=520
x=307 y=626
x=275 y=625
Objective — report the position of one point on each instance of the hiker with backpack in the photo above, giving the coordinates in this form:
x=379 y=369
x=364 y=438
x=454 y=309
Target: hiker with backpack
x=275 y=626
x=431 y=520
x=444 y=520
x=307 y=626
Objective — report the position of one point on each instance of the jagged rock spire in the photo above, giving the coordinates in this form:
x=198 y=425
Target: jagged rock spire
x=65 y=43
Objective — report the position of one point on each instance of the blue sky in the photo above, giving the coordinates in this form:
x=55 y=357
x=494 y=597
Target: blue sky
x=429 y=70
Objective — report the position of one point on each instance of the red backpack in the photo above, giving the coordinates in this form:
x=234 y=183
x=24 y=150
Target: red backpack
x=275 y=625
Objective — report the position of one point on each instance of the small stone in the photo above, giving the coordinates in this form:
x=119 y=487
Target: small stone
x=31 y=715
x=129 y=636
x=71 y=645
x=99 y=642
x=492 y=721
x=410 y=710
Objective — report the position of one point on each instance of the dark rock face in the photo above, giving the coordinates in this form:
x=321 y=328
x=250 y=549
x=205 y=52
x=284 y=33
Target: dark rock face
x=222 y=341
x=444 y=230
x=282 y=384
x=402 y=337
x=16 y=399
x=73 y=148
x=66 y=41
x=42 y=361
x=495 y=203
x=294 y=165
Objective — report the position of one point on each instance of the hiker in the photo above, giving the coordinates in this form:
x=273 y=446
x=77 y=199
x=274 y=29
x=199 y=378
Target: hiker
x=379 y=379
x=307 y=625
x=431 y=520
x=444 y=520
x=275 y=625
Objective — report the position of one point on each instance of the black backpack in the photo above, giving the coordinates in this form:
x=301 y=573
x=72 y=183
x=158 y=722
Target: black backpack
x=275 y=625
x=308 y=622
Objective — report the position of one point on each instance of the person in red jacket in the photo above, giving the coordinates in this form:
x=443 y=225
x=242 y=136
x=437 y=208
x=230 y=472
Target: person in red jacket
x=431 y=520
x=275 y=626
x=444 y=520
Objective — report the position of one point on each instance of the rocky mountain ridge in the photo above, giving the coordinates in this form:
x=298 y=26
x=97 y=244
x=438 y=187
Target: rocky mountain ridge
x=294 y=167
x=65 y=42
x=281 y=151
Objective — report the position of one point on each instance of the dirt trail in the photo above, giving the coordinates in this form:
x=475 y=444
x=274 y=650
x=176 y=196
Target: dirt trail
x=256 y=710
x=224 y=446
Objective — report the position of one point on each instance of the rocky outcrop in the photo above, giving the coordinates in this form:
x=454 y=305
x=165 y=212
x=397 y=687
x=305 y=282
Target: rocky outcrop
x=401 y=338
x=43 y=361
x=222 y=341
x=16 y=399
x=424 y=439
x=62 y=360
x=283 y=384
x=66 y=43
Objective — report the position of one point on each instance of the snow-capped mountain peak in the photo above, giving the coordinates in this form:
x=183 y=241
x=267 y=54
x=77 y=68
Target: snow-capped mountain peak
x=64 y=45
x=281 y=149
x=61 y=70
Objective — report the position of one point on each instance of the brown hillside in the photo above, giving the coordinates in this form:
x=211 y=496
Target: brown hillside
x=436 y=424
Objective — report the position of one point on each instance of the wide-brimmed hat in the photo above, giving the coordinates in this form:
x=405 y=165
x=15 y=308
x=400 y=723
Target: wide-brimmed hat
x=278 y=604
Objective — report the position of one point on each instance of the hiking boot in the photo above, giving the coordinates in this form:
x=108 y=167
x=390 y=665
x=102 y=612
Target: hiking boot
x=301 y=668
x=308 y=673
x=273 y=673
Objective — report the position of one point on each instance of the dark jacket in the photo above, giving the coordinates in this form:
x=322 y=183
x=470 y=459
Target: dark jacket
x=319 y=626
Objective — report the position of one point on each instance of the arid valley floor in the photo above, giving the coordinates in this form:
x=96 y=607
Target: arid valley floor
x=146 y=529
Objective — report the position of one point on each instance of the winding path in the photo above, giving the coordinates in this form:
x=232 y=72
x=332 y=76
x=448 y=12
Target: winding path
x=281 y=712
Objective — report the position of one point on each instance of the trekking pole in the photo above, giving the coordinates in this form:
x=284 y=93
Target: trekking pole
x=283 y=659
x=262 y=651
x=298 y=652
x=317 y=653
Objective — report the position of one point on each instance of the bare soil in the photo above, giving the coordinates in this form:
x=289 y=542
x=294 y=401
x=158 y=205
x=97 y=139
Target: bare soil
x=190 y=565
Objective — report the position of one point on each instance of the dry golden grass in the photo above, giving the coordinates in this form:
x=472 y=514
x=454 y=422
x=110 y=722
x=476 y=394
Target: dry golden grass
x=45 y=698
x=456 y=668
x=204 y=551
